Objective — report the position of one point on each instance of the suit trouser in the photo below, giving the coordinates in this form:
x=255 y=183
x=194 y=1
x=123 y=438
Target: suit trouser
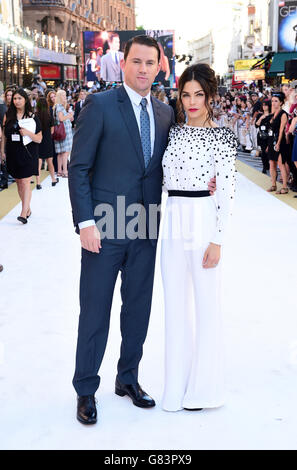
x=136 y=261
x=193 y=339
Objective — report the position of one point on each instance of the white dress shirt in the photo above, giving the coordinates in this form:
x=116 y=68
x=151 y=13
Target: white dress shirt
x=135 y=99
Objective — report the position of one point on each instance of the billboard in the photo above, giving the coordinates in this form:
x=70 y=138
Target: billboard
x=104 y=50
x=287 y=26
x=249 y=75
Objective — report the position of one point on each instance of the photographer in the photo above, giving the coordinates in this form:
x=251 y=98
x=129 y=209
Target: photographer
x=39 y=84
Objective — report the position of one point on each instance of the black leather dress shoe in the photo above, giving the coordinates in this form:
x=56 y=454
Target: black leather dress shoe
x=134 y=391
x=86 y=409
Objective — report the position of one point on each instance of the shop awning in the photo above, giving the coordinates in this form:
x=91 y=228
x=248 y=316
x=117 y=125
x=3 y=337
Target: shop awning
x=278 y=63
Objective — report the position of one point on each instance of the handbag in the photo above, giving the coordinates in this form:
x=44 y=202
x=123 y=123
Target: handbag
x=59 y=133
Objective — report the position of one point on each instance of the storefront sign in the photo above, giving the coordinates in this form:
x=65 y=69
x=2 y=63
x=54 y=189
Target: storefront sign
x=50 y=71
x=245 y=64
x=45 y=55
x=249 y=75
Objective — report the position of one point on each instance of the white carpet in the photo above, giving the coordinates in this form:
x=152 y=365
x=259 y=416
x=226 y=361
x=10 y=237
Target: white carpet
x=38 y=329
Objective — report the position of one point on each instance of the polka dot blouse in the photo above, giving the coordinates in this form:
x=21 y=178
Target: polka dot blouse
x=193 y=156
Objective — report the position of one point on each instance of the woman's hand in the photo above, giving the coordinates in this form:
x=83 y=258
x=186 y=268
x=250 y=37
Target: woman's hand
x=276 y=147
x=3 y=157
x=212 y=186
x=211 y=256
x=24 y=132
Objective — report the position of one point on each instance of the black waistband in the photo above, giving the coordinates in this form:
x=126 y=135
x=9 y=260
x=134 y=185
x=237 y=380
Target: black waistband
x=189 y=193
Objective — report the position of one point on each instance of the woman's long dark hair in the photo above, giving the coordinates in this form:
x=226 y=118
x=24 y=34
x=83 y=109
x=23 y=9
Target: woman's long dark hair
x=43 y=112
x=11 y=114
x=205 y=75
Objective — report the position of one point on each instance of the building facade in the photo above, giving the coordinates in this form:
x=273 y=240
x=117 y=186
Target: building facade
x=202 y=50
x=68 y=18
x=242 y=35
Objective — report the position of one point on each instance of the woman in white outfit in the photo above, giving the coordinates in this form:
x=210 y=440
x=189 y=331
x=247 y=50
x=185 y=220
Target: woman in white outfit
x=194 y=227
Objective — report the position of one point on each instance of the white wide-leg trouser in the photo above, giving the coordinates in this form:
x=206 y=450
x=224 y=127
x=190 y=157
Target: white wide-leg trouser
x=193 y=339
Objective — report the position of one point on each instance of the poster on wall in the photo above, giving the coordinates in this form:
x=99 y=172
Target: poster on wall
x=287 y=26
x=104 y=50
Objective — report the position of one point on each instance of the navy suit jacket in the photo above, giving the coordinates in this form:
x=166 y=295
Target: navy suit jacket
x=107 y=159
x=77 y=110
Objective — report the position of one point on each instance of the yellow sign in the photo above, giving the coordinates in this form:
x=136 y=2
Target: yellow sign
x=245 y=64
x=249 y=75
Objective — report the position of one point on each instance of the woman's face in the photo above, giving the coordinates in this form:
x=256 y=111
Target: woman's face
x=53 y=97
x=19 y=101
x=275 y=103
x=265 y=108
x=8 y=97
x=286 y=90
x=193 y=100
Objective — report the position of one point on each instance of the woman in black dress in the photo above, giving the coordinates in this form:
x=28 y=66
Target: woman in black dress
x=46 y=118
x=21 y=160
x=277 y=146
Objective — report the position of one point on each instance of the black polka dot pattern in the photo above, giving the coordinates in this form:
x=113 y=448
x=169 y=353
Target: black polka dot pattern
x=193 y=156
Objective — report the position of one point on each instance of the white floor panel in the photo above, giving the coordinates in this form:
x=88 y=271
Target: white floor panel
x=38 y=328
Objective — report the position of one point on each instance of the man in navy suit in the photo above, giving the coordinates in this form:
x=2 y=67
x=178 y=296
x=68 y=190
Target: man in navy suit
x=79 y=104
x=115 y=168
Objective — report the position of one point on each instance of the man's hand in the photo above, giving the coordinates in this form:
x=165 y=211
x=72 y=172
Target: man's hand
x=90 y=239
x=212 y=187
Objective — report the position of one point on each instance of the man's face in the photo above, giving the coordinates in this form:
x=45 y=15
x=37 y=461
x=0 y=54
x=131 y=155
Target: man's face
x=114 y=45
x=141 y=68
x=82 y=95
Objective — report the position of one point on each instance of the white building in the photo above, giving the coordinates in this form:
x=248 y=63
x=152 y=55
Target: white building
x=242 y=34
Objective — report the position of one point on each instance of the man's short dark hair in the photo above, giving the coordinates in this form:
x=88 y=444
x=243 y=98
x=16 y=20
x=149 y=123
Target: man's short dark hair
x=112 y=36
x=144 y=41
